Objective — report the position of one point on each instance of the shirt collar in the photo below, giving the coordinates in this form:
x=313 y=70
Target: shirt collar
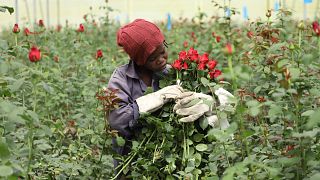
x=131 y=70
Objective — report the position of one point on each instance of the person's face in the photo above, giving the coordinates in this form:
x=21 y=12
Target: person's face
x=158 y=59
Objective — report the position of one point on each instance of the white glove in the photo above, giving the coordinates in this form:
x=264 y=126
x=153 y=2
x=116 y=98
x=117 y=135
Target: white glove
x=192 y=106
x=214 y=122
x=202 y=105
x=224 y=97
x=154 y=101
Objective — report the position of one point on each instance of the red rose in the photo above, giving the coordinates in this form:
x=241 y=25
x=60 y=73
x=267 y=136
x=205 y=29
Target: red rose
x=212 y=64
x=204 y=58
x=26 y=31
x=56 y=58
x=177 y=64
x=201 y=66
x=16 y=29
x=193 y=54
x=228 y=49
x=274 y=40
x=41 y=24
x=249 y=34
x=183 y=55
x=99 y=54
x=59 y=27
x=81 y=28
x=218 y=39
x=213 y=35
x=34 y=54
x=214 y=74
x=316 y=28
x=185 y=65
x=193 y=35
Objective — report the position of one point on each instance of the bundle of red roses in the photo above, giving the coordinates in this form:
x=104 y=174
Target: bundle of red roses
x=191 y=67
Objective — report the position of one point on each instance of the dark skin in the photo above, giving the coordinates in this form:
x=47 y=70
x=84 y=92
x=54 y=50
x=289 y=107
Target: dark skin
x=156 y=62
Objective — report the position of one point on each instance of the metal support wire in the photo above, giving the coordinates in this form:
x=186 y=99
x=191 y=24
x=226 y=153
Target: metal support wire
x=48 y=13
x=58 y=11
x=17 y=12
x=28 y=12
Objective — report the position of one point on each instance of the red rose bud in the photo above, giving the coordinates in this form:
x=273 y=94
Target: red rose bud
x=214 y=74
x=201 y=66
x=185 y=65
x=56 y=58
x=212 y=64
x=249 y=34
x=183 y=55
x=81 y=28
x=218 y=39
x=204 y=59
x=228 y=49
x=16 y=29
x=274 y=40
x=26 y=31
x=99 y=54
x=185 y=44
x=41 y=24
x=316 y=28
x=34 y=54
x=193 y=54
x=213 y=35
x=59 y=27
x=193 y=35
x=177 y=64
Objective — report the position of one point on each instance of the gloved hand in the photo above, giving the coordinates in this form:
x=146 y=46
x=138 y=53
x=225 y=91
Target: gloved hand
x=154 y=101
x=224 y=97
x=202 y=105
x=192 y=106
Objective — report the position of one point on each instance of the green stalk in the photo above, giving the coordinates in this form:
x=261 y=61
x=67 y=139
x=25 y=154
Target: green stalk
x=187 y=145
x=319 y=45
x=233 y=77
x=299 y=45
x=184 y=146
x=30 y=145
x=16 y=39
x=126 y=164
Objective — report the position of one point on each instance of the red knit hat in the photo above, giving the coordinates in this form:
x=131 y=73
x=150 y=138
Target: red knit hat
x=139 y=39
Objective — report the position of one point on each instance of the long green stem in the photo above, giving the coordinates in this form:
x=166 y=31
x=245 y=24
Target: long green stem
x=16 y=39
x=130 y=159
x=233 y=77
x=299 y=45
x=184 y=146
x=30 y=145
x=319 y=45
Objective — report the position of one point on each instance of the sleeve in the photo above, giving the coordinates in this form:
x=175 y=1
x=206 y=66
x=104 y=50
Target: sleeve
x=124 y=118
